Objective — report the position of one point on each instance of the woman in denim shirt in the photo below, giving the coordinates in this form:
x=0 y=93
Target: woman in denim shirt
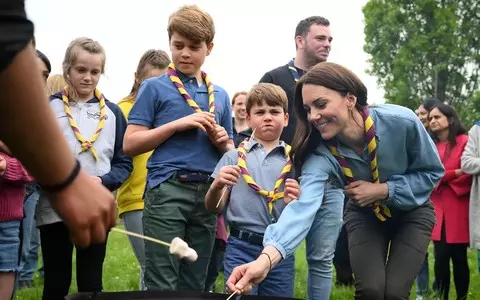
x=386 y=165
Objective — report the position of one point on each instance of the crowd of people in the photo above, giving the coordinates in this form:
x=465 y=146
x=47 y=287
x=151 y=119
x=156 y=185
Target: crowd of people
x=299 y=156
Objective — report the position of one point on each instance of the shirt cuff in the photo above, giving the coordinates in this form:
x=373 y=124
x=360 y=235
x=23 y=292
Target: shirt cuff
x=276 y=246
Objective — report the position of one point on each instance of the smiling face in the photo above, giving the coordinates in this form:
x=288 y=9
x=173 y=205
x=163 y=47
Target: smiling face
x=316 y=44
x=327 y=110
x=188 y=57
x=240 y=107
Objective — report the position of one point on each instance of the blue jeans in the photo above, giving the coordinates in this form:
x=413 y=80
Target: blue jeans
x=133 y=222
x=423 y=279
x=278 y=283
x=9 y=246
x=321 y=242
x=30 y=239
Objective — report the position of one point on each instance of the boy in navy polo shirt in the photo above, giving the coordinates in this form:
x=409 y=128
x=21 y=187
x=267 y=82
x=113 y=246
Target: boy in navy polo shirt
x=187 y=121
x=261 y=163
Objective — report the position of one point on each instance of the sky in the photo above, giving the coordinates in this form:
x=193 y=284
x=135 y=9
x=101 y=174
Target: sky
x=252 y=36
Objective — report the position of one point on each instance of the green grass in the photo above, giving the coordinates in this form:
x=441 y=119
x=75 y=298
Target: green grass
x=121 y=274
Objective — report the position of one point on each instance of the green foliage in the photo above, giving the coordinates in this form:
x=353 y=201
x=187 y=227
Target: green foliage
x=425 y=48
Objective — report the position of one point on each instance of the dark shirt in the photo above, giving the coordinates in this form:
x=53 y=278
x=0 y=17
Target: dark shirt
x=282 y=77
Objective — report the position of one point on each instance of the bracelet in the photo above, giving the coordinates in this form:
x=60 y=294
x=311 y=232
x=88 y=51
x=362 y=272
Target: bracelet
x=54 y=188
x=269 y=259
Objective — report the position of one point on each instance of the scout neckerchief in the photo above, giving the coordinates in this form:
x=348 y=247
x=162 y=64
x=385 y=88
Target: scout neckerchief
x=293 y=70
x=172 y=74
x=86 y=144
x=271 y=196
x=382 y=212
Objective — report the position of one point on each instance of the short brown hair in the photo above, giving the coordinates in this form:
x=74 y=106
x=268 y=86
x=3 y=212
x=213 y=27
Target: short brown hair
x=192 y=23
x=267 y=93
x=236 y=96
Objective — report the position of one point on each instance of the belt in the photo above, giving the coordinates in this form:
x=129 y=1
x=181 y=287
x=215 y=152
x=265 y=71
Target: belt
x=246 y=236
x=185 y=176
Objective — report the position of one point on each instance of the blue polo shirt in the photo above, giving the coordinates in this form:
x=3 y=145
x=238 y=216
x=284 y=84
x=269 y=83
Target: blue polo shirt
x=158 y=103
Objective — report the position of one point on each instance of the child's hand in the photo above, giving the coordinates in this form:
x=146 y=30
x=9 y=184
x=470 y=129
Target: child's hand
x=291 y=191
x=3 y=165
x=4 y=149
x=202 y=120
x=228 y=175
x=218 y=135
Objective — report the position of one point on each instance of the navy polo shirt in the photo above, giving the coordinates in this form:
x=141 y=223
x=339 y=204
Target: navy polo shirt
x=158 y=103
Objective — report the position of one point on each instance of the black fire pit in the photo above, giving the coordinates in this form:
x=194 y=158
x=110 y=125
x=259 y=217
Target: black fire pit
x=163 y=295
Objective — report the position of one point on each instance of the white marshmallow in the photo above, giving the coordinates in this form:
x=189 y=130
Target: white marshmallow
x=179 y=248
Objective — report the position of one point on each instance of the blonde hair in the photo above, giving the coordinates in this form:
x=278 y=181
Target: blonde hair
x=158 y=59
x=55 y=83
x=267 y=93
x=77 y=45
x=192 y=23
x=236 y=95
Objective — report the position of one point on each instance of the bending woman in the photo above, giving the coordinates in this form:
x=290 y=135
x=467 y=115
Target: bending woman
x=388 y=167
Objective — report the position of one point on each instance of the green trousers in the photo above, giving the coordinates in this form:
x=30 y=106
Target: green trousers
x=177 y=209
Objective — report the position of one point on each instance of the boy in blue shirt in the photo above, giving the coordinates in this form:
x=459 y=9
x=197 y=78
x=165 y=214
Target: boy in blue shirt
x=187 y=121
x=262 y=163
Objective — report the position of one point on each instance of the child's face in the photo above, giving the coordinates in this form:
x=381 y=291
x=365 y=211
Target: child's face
x=267 y=121
x=85 y=72
x=187 y=56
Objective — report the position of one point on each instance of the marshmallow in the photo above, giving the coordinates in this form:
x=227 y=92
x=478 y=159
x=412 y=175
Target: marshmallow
x=180 y=248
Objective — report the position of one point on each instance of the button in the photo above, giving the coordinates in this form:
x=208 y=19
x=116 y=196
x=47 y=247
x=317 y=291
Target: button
x=191 y=80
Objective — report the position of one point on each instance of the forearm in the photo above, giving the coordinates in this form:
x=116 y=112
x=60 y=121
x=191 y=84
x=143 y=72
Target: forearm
x=227 y=146
x=213 y=196
x=32 y=134
x=272 y=253
x=142 y=141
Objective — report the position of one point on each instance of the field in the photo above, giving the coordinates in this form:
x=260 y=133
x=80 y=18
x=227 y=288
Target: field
x=121 y=274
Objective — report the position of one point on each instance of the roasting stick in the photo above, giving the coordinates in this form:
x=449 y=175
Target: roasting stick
x=178 y=247
x=141 y=236
x=231 y=295
x=226 y=188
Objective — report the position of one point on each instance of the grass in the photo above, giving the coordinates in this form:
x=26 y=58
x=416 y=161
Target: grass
x=121 y=274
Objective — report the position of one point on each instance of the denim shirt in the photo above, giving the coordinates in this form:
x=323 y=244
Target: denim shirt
x=408 y=163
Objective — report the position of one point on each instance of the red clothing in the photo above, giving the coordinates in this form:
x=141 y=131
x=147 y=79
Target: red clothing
x=221 y=233
x=451 y=196
x=12 y=190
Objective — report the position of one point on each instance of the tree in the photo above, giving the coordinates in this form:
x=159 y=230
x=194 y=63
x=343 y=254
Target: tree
x=424 y=48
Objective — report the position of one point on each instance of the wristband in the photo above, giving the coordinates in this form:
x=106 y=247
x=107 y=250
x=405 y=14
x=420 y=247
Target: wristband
x=269 y=259
x=54 y=188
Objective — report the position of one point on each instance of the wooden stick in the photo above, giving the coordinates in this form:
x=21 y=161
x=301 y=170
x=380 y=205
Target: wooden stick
x=141 y=236
x=225 y=188
x=233 y=294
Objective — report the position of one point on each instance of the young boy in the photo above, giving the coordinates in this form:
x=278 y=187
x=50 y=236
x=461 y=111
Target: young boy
x=264 y=162
x=187 y=121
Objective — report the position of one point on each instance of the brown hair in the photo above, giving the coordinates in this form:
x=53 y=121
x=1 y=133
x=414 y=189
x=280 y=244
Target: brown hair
x=192 y=23
x=78 y=44
x=157 y=59
x=303 y=27
x=236 y=95
x=267 y=93
x=55 y=83
x=333 y=77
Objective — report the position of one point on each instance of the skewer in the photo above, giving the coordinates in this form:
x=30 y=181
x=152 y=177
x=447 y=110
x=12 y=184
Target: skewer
x=178 y=247
x=231 y=295
x=142 y=236
x=226 y=188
